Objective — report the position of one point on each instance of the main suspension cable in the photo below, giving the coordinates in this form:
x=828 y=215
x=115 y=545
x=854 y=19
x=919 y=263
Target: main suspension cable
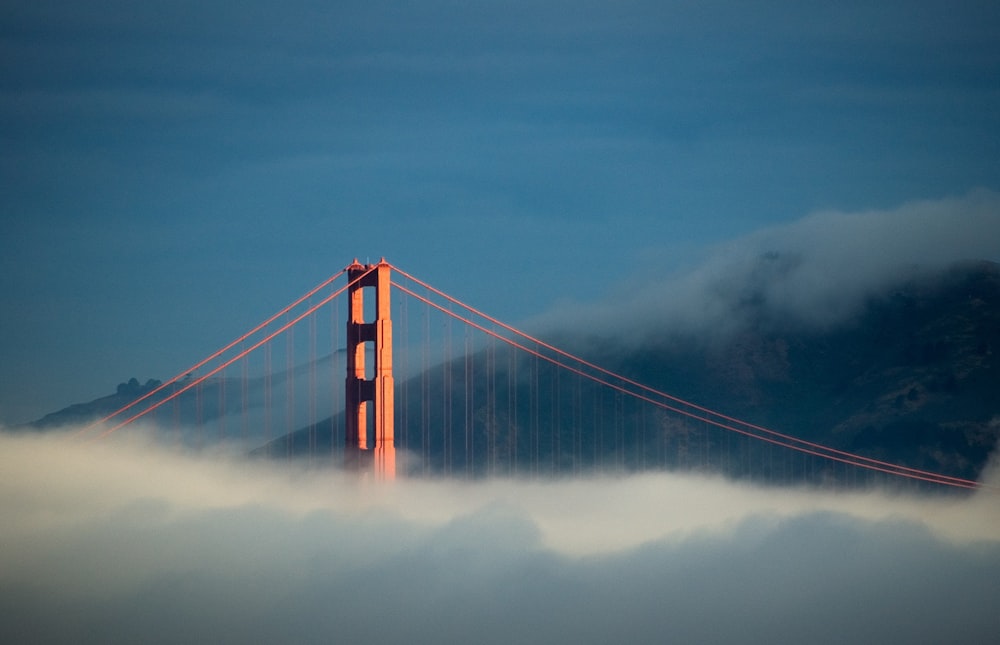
x=212 y=356
x=776 y=438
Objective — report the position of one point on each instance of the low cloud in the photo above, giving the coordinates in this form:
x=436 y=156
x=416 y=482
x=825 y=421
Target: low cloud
x=816 y=271
x=126 y=541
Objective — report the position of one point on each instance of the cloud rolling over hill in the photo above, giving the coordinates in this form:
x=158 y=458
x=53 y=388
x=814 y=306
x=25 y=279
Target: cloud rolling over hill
x=815 y=272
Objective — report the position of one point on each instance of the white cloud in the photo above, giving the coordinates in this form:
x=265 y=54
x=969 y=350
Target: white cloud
x=815 y=271
x=127 y=541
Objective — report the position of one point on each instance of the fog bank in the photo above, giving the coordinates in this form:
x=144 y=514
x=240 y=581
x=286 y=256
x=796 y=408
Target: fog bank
x=127 y=541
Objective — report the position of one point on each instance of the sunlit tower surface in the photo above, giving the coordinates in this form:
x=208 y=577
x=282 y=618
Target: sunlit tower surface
x=369 y=394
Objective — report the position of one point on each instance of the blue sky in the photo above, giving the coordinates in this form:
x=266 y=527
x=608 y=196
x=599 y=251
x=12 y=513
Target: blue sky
x=173 y=172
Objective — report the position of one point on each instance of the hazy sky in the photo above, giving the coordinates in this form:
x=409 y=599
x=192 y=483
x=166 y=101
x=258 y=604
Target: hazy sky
x=172 y=172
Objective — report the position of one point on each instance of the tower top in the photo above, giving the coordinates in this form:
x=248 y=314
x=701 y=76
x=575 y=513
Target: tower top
x=356 y=265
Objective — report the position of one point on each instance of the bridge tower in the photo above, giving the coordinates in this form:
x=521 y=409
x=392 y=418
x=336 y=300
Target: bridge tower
x=369 y=401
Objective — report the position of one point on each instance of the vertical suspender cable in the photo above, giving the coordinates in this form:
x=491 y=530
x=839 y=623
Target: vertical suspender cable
x=577 y=424
x=399 y=367
x=244 y=395
x=535 y=430
x=598 y=400
x=616 y=420
x=556 y=423
x=446 y=395
x=642 y=432
x=491 y=429
x=222 y=383
x=472 y=409
x=425 y=397
x=289 y=388
x=312 y=385
x=404 y=312
x=468 y=403
x=267 y=396
x=512 y=416
x=198 y=415
x=177 y=419
x=336 y=382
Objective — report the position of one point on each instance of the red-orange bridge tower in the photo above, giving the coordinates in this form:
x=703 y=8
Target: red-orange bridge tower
x=369 y=392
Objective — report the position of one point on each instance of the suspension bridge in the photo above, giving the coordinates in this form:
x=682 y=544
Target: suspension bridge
x=376 y=370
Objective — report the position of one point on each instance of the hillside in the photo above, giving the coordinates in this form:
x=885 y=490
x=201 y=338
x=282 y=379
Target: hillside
x=83 y=413
x=913 y=378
